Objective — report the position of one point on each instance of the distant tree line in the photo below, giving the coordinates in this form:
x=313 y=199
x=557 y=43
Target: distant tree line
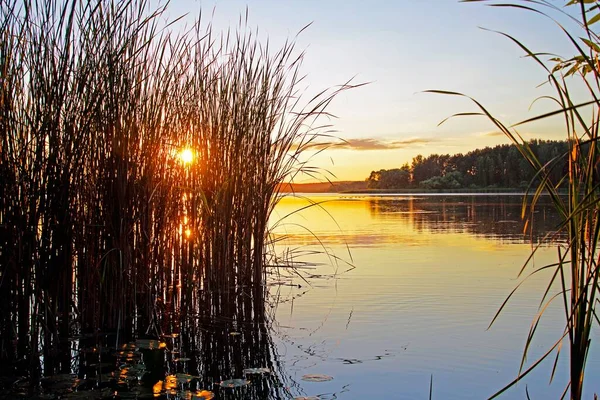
x=501 y=166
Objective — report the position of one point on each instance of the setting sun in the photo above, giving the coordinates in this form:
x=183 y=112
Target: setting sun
x=186 y=156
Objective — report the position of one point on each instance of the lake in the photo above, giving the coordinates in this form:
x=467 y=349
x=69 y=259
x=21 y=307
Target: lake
x=382 y=297
x=429 y=273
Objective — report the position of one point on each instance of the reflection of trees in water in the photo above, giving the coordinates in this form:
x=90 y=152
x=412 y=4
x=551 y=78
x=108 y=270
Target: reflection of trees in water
x=489 y=216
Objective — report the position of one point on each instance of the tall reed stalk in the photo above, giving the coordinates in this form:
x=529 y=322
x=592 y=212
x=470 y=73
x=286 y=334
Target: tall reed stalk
x=577 y=266
x=103 y=228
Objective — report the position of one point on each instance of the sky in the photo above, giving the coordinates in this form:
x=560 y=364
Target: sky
x=402 y=48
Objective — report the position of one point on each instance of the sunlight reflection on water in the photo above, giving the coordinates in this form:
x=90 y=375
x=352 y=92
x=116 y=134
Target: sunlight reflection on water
x=431 y=272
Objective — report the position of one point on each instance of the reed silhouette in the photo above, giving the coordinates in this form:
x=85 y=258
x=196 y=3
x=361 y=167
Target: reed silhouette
x=577 y=233
x=105 y=228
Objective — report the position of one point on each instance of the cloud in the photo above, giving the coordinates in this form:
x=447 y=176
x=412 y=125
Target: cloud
x=376 y=144
x=523 y=134
x=492 y=134
x=366 y=144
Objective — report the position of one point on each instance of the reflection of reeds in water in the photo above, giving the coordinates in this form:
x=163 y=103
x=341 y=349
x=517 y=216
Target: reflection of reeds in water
x=218 y=350
x=102 y=227
x=229 y=341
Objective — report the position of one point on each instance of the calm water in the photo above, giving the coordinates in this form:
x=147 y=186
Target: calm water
x=430 y=273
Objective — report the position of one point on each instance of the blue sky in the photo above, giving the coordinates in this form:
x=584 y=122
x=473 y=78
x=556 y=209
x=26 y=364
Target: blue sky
x=402 y=48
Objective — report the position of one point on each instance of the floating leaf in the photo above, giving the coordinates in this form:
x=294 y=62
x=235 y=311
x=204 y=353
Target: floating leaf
x=234 y=383
x=316 y=378
x=158 y=387
x=234 y=334
x=256 y=371
x=203 y=394
x=138 y=367
x=170 y=382
x=184 y=378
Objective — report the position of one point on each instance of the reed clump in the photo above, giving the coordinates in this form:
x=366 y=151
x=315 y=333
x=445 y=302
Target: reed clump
x=103 y=227
x=574 y=278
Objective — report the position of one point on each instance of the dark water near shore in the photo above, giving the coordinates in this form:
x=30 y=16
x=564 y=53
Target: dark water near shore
x=431 y=272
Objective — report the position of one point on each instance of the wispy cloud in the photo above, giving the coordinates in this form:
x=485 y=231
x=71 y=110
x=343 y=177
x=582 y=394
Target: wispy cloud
x=366 y=144
x=492 y=134
x=377 y=144
x=500 y=134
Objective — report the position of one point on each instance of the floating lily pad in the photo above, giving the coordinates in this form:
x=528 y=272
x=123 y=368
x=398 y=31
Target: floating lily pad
x=234 y=383
x=257 y=371
x=316 y=378
x=197 y=395
x=170 y=382
x=139 y=367
x=158 y=387
x=203 y=394
x=130 y=374
x=184 y=378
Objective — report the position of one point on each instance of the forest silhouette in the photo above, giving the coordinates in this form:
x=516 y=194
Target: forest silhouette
x=500 y=166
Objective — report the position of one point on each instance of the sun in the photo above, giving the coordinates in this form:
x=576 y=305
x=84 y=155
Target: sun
x=186 y=156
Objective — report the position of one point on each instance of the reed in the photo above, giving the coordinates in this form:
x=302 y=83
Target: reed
x=576 y=269
x=103 y=228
